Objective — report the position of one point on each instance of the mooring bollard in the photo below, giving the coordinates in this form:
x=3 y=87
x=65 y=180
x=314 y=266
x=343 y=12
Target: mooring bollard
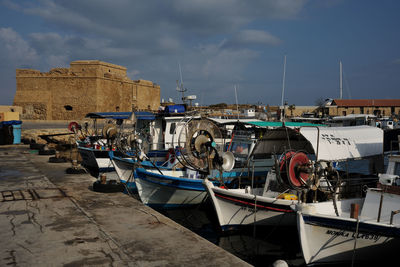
x=280 y=263
x=103 y=178
x=75 y=168
x=354 y=208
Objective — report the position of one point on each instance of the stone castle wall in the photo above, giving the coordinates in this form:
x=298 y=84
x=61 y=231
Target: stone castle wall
x=149 y=96
x=87 y=86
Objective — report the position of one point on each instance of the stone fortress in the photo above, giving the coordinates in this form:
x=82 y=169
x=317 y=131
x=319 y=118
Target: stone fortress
x=87 y=86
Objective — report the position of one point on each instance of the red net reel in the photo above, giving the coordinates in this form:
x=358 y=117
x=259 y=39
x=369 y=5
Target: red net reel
x=298 y=170
x=293 y=168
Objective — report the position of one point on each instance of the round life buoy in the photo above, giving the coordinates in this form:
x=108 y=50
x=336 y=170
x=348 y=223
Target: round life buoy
x=171 y=158
x=170 y=153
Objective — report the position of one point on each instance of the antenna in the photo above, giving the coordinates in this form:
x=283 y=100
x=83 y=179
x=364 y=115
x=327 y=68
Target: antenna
x=179 y=86
x=341 y=80
x=237 y=105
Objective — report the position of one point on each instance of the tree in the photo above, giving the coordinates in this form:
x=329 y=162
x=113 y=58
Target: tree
x=320 y=102
x=291 y=108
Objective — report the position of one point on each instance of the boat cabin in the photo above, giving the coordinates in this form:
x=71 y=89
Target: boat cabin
x=316 y=150
x=392 y=175
x=353 y=120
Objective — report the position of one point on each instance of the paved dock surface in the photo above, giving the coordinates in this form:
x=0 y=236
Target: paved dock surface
x=50 y=218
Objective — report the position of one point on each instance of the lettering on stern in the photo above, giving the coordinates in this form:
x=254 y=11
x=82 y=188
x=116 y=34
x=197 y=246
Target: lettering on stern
x=365 y=236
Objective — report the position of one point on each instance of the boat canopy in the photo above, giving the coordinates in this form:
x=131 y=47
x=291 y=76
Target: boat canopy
x=140 y=115
x=326 y=143
x=109 y=115
x=233 y=121
x=274 y=124
x=145 y=115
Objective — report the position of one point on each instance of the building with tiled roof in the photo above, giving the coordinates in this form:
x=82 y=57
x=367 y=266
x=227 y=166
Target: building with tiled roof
x=378 y=107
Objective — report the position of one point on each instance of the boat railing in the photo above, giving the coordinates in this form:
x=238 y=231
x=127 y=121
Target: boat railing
x=394 y=142
x=355 y=186
x=394 y=212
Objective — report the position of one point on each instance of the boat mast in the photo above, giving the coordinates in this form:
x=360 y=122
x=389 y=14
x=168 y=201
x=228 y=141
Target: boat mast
x=283 y=88
x=237 y=105
x=283 y=80
x=341 y=80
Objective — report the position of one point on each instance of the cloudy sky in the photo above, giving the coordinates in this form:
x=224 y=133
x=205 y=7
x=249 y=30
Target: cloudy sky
x=219 y=44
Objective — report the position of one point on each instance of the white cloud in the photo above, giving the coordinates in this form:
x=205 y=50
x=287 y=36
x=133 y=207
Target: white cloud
x=149 y=39
x=225 y=64
x=396 y=61
x=247 y=38
x=133 y=74
x=15 y=50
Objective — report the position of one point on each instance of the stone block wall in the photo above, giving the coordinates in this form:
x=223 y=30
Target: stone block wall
x=148 y=95
x=87 y=86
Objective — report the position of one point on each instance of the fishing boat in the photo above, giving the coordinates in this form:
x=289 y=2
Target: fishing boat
x=303 y=169
x=336 y=232
x=96 y=144
x=199 y=152
x=239 y=143
x=156 y=136
x=125 y=166
x=113 y=137
x=169 y=188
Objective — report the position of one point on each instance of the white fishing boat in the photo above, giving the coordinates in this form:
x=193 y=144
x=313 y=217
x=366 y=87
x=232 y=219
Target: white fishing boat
x=200 y=151
x=304 y=165
x=169 y=188
x=125 y=166
x=336 y=232
x=95 y=147
x=96 y=160
x=163 y=187
x=156 y=135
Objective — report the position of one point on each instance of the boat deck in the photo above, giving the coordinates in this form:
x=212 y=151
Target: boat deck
x=50 y=218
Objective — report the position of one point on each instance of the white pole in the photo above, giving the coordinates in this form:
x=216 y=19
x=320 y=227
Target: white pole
x=283 y=81
x=237 y=105
x=341 y=79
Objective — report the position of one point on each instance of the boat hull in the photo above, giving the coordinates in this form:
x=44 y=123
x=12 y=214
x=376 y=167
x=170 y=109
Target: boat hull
x=331 y=240
x=162 y=191
x=235 y=208
x=124 y=167
x=95 y=160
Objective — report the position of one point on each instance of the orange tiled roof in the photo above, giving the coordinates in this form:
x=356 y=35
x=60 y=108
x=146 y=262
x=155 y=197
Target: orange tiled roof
x=366 y=102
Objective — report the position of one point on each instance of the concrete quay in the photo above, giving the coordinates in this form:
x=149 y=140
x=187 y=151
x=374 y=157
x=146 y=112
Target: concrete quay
x=50 y=218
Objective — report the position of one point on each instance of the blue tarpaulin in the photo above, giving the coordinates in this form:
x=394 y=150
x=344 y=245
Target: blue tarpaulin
x=140 y=115
x=109 y=115
x=144 y=115
x=10 y=123
x=174 y=109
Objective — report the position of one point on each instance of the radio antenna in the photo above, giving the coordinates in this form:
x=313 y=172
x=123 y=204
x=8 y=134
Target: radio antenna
x=179 y=86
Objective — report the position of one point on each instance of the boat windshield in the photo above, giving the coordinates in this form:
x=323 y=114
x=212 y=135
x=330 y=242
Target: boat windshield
x=240 y=148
